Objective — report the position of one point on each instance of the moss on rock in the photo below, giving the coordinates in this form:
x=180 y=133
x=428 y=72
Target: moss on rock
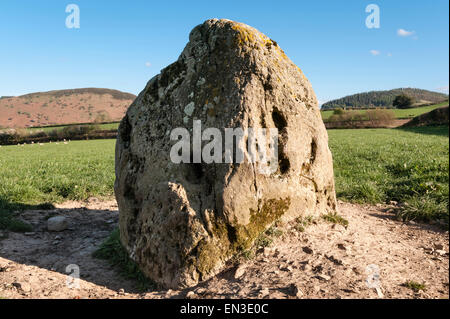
x=228 y=241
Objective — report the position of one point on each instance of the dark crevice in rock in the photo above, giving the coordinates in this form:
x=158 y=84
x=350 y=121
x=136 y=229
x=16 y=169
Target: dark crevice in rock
x=283 y=161
x=231 y=233
x=284 y=165
x=281 y=124
x=125 y=131
x=316 y=188
x=197 y=171
x=268 y=86
x=312 y=157
x=193 y=172
x=262 y=121
x=279 y=120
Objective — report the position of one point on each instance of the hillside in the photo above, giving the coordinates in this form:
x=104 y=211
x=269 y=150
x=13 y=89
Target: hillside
x=64 y=107
x=438 y=116
x=385 y=98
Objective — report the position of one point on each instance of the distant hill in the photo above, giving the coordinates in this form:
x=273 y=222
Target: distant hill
x=438 y=116
x=64 y=107
x=385 y=99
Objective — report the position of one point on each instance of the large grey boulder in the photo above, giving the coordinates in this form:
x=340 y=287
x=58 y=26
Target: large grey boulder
x=182 y=221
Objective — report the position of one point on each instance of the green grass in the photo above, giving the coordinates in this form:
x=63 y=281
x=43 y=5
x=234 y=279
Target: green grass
x=415 y=286
x=110 y=126
x=274 y=232
x=413 y=112
x=408 y=166
x=7 y=221
x=399 y=113
x=263 y=241
x=113 y=251
x=335 y=219
x=303 y=222
x=35 y=176
x=266 y=239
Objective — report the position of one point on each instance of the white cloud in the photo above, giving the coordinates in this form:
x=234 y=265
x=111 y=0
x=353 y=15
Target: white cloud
x=404 y=33
x=375 y=52
x=443 y=89
x=389 y=54
x=148 y=64
x=321 y=102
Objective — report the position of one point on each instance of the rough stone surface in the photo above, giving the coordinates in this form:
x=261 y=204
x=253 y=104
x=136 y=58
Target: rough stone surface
x=57 y=223
x=182 y=222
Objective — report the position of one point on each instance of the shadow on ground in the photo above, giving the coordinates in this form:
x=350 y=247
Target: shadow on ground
x=441 y=130
x=54 y=251
x=388 y=214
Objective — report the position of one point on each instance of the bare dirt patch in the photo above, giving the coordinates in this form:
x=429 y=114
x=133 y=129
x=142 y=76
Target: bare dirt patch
x=324 y=261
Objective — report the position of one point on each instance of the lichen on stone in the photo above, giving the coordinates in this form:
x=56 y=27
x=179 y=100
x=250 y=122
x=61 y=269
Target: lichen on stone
x=184 y=221
x=189 y=109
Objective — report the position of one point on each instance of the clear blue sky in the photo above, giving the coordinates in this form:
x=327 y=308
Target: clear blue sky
x=117 y=40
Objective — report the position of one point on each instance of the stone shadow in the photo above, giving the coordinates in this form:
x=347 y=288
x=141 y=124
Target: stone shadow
x=54 y=251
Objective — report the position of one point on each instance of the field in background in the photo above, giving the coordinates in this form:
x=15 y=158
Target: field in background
x=59 y=133
x=370 y=165
x=405 y=165
x=34 y=175
x=399 y=113
x=105 y=127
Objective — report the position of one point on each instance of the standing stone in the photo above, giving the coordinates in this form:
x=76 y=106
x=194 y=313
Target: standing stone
x=182 y=222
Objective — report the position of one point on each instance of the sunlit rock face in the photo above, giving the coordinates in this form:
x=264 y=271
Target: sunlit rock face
x=181 y=222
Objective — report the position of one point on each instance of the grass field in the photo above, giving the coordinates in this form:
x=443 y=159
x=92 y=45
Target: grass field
x=399 y=113
x=371 y=166
x=34 y=175
x=408 y=166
